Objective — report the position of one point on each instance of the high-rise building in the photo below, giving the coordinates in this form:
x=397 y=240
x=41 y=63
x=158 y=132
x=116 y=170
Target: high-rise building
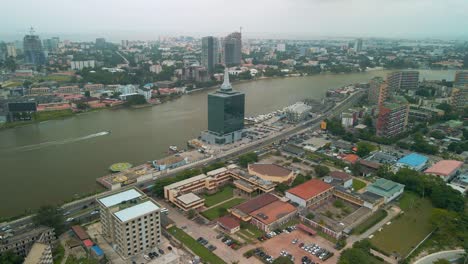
x=461 y=78
x=403 y=80
x=100 y=43
x=209 y=53
x=125 y=43
x=225 y=114
x=11 y=50
x=131 y=222
x=393 y=117
x=3 y=51
x=51 y=45
x=358 y=45
x=378 y=91
x=32 y=48
x=459 y=97
x=232 y=49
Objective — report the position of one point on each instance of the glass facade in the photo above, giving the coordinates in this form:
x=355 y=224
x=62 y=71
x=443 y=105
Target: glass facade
x=225 y=112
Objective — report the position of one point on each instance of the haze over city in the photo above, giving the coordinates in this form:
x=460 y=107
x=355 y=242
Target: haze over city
x=295 y=19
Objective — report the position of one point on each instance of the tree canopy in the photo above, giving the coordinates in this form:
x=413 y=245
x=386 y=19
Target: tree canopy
x=50 y=216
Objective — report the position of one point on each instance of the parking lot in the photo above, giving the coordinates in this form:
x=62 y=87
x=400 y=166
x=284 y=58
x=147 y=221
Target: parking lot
x=284 y=242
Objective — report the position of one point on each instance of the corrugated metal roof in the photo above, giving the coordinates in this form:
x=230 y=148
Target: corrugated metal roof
x=136 y=211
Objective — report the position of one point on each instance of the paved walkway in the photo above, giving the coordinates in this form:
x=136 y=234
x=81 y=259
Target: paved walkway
x=448 y=255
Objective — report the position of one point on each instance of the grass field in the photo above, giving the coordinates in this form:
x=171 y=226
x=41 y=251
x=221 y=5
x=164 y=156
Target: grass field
x=358 y=184
x=370 y=222
x=414 y=224
x=221 y=209
x=206 y=255
x=224 y=194
x=49 y=115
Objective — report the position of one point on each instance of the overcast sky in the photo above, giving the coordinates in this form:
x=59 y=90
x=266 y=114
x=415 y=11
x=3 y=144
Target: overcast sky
x=147 y=19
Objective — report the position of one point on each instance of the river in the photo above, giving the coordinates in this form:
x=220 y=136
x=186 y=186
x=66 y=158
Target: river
x=53 y=161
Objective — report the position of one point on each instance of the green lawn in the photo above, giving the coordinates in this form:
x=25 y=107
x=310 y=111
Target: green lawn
x=48 y=115
x=206 y=255
x=370 y=222
x=413 y=226
x=358 y=184
x=223 y=195
x=221 y=209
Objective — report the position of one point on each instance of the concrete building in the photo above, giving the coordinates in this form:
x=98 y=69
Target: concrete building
x=311 y=193
x=413 y=161
x=40 y=253
x=21 y=243
x=358 y=45
x=343 y=178
x=209 y=53
x=297 y=112
x=273 y=215
x=388 y=189
x=281 y=47
x=271 y=172
x=459 y=97
x=228 y=224
x=195 y=74
x=156 y=68
x=232 y=49
x=393 y=118
x=73 y=89
x=461 y=78
x=79 y=65
x=170 y=162
x=403 y=80
x=130 y=222
x=378 y=91
x=145 y=92
x=226 y=109
x=445 y=169
x=11 y=50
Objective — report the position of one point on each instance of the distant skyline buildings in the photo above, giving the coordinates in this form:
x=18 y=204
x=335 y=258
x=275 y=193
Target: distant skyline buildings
x=232 y=49
x=210 y=53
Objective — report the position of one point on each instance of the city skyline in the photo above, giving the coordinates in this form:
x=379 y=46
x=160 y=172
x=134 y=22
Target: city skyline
x=363 y=18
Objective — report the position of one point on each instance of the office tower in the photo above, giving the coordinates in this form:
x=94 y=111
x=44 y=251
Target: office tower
x=232 y=47
x=378 y=91
x=403 y=80
x=51 y=44
x=358 y=45
x=459 y=97
x=225 y=114
x=461 y=78
x=3 y=51
x=32 y=48
x=11 y=50
x=209 y=53
x=125 y=43
x=130 y=222
x=100 y=43
x=393 y=117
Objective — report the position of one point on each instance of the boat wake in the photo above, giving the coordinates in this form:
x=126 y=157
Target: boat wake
x=58 y=142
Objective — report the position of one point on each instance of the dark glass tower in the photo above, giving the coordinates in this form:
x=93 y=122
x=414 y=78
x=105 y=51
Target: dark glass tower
x=225 y=109
x=209 y=53
x=32 y=47
x=232 y=49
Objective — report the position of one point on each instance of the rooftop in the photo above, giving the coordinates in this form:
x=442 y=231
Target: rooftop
x=351 y=158
x=169 y=160
x=228 y=222
x=384 y=187
x=36 y=252
x=189 y=198
x=310 y=189
x=186 y=181
x=273 y=211
x=136 y=211
x=120 y=197
x=413 y=160
x=340 y=175
x=270 y=170
x=217 y=171
x=444 y=167
x=256 y=203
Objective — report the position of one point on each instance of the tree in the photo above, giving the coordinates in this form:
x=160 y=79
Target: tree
x=50 y=216
x=9 y=257
x=87 y=94
x=191 y=214
x=283 y=260
x=364 y=148
x=247 y=158
x=10 y=63
x=136 y=99
x=321 y=170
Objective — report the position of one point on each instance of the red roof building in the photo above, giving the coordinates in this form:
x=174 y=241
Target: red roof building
x=273 y=215
x=351 y=158
x=228 y=224
x=80 y=232
x=271 y=172
x=445 y=169
x=88 y=243
x=243 y=210
x=310 y=193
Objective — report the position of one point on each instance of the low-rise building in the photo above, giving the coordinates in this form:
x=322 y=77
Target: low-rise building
x=311 y=193
x=170 y=162
x=273 y=215
x=271 y=172
x=243 y=211
x=413 y=161
x=390 y=190
x=40 y=253
x=445 y=169
x=22 y=243
x=297 y=112
x=69 y=89
x=228 y=224
x=343 y=178
x=130 y=222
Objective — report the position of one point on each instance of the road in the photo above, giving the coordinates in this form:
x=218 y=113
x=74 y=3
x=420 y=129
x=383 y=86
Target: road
x=450 y=255
x=81 y=209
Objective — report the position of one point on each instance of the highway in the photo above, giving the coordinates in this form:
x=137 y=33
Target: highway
x=82 y=209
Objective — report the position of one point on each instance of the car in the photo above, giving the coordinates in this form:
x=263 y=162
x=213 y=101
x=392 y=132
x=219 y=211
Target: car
x=70 y=219
x=146 y=257
x=294 y=241
x=95 y=212
x=162 y=251
x=301 y=245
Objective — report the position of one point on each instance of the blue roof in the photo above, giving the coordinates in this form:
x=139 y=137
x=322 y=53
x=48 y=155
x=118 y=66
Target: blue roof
x=97 y=250
x=413 y=160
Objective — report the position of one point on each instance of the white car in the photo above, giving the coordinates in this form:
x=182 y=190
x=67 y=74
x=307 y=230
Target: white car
x=70 y=219
x=146 y=257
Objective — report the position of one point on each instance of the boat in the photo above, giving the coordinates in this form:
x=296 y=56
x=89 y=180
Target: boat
x=173 y=148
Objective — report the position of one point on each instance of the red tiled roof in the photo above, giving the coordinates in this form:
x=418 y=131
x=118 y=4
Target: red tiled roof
x=228 y=222
x=306 y=229
x=270 y=169
x=88 y=243
x=444 y=167
x=370 y=164
x=256 y=203
x=273 y=211
x=340 y=175
x=351 y=158
x=80 y=232
x=310 y=189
